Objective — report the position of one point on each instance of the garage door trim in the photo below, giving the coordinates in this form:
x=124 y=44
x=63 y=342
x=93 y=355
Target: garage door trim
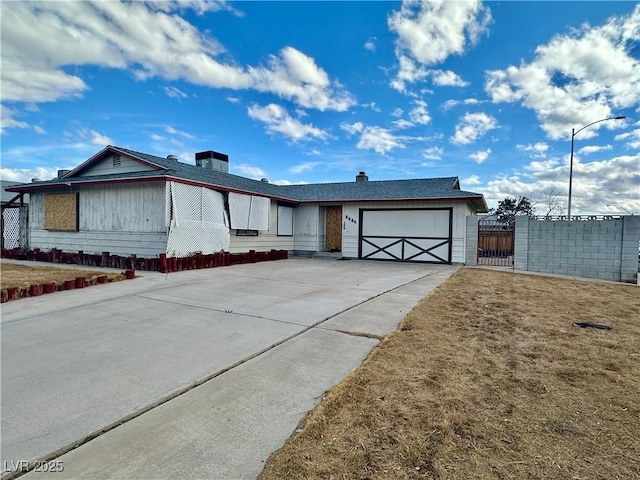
x=406 y=240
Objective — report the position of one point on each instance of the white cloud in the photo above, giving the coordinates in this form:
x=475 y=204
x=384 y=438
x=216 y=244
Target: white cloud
x=467 y=101
x=632 y=138
x=472 y=127
x=173 y=131
x=402 y=123
x=480 y=156
x=586 y=74
x=371 y=44
x=397 y=112
x=380 y=140
x=595 y=184
x=432 y=153
x=408 y=72
x=289 y=182
x=174 y=92
x=536 y=150
x=233 y=99
x=594 y=149
x=429 y=32
x=448 y=78
x=277 y=120
x=156 y=137
x=98 y=138
x=7 y=120
x=26 y=174
x=303 y=167
x=352 y=128
x=149 y=40
x=39 y=130
x=419 y=113
x=372 y=106
x=295 y=76
x=472 y=180
x=250 y=171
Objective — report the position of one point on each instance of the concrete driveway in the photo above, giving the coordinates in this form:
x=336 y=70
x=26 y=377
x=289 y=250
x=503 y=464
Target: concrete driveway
x=191 y=375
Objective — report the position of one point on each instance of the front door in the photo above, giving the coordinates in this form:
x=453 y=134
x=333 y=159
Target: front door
x=333 y=241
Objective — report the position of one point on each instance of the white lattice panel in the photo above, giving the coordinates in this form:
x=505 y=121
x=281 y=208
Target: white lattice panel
x=186 y=201
x=189 y=237
x=259 y=213
x=239 y=208
x=213 y=207
x=11 y=230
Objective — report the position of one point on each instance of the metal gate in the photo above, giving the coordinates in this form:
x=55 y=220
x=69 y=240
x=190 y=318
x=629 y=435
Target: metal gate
x=495 y=242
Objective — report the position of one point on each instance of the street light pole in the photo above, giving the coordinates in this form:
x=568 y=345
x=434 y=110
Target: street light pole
x=573 y=134
x=620 y=206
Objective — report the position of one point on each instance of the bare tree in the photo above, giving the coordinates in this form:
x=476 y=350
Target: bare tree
x=551 y=203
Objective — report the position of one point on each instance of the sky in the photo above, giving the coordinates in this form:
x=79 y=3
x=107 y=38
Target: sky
x=306 y=92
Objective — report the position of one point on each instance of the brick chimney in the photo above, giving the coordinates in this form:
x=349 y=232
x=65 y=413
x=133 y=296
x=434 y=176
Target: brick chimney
x=362 y=177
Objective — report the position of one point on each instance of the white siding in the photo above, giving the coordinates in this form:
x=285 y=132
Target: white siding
x=147 y=245
x=105 y=167
x=120 y=219
x=306 y=232
x=266 y=240
x=134 y=207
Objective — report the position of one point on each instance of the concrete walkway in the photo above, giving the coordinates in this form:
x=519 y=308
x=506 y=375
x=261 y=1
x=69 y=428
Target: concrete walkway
x=199 y=374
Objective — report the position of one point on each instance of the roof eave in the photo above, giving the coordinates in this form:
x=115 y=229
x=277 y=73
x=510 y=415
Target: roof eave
x=151 y=178
x=399 y=199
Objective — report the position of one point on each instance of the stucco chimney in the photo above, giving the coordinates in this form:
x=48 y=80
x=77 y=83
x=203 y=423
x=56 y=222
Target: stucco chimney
x=362 y=177
x=213 y=161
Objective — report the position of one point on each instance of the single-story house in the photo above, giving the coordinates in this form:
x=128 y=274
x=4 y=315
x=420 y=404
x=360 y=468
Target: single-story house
x=126 y=202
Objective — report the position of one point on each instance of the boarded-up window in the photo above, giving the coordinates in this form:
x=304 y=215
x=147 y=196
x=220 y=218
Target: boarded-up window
x=61 y=212
x=285 y=220
x=249 y=212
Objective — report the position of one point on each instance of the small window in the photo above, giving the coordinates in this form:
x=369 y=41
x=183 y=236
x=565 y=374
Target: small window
x=246 y=233
x=116 y=160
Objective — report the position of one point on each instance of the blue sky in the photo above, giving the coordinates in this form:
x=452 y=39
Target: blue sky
x=317 y=91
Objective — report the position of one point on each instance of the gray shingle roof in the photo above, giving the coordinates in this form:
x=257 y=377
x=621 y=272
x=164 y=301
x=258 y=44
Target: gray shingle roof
x=8 y=196
x=422 y=188
x=419 y=188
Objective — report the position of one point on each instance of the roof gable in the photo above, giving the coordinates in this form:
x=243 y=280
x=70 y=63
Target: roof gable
x=112 y=160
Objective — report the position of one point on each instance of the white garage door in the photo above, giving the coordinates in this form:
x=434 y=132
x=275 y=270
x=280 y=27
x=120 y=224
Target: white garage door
x=409 y=235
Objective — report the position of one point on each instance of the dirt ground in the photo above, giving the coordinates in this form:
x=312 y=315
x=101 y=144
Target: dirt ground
x=487 y=378
x=21 y=276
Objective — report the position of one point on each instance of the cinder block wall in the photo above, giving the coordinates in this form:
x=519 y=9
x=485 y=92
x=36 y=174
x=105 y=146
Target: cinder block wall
x=603 y=249
x=471 y=243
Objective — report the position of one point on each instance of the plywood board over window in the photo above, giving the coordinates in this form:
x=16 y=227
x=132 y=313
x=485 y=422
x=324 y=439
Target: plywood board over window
x=61 y=212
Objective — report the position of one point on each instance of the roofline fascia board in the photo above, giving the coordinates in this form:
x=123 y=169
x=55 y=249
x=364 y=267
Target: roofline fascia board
x=42 y=186
x=410 y=199
x=195 y=183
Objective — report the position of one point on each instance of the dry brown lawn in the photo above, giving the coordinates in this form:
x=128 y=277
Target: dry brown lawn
x=487 y=378
x=21 y=276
